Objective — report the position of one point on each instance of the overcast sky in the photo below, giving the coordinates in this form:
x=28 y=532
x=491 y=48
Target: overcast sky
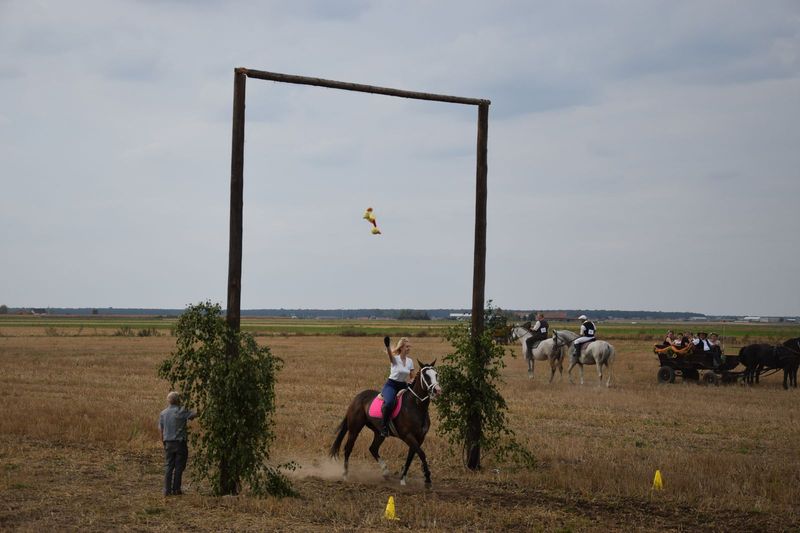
x=642 y=155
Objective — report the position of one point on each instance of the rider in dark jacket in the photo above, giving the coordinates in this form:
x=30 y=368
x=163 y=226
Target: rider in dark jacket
x=587 y=334
x=539 y=331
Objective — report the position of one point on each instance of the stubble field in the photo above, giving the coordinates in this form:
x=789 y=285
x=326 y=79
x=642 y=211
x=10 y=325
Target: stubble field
x=79 y=447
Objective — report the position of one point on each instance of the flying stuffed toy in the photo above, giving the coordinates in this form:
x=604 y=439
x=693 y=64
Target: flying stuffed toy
x=369 y=216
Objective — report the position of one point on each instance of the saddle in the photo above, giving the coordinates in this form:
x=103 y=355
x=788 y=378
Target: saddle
x=581 y=347
x=532 y=344
x=377 y=403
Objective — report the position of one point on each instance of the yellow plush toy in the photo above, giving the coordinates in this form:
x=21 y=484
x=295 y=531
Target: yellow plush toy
x=369 y=216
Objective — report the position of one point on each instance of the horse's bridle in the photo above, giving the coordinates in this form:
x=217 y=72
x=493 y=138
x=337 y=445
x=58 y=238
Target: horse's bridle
x=428 y=387
x=518 y=337
x=557 y=339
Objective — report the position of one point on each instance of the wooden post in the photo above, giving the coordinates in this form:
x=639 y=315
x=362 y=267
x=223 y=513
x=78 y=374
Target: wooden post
x=479 y=256
x=228 y=483
x=474 y=429
x=237 y=188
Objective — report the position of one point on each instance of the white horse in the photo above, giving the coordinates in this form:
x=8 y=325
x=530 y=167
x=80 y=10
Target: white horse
x=598 y=353
x=545 y=351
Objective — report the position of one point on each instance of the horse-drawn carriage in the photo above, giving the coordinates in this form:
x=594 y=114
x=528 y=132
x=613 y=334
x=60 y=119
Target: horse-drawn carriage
x=756 y=359
x=693 y=365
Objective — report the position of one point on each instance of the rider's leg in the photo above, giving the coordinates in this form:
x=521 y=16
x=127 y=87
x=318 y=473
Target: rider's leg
x=389 y=394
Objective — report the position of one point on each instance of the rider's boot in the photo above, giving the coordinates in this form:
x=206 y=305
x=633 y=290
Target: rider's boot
x=386 y=415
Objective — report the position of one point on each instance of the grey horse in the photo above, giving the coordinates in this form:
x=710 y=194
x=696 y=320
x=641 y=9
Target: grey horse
x=546 y=350
x=598 y=353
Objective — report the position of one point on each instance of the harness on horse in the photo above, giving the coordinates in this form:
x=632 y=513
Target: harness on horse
x=428 y=387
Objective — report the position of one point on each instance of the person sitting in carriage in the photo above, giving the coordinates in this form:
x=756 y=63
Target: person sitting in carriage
x=704 y=346
x=677 y=340
x=539 y=331
x=713 y=339
x=669 y=340
x=587 y=335
x=401 y=374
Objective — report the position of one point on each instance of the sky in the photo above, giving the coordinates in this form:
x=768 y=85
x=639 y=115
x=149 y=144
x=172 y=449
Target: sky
x=642 y=154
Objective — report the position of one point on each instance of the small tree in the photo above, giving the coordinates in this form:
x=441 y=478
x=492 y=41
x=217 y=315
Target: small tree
x=472 y=412
x=3 y=309
x=235 y=399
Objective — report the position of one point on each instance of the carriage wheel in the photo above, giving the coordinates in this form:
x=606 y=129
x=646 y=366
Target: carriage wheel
x=710 y=378
x=666 y=374
x=691 y=374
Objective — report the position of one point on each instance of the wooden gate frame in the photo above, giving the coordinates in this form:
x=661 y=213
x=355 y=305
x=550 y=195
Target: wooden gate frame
x=233 y=317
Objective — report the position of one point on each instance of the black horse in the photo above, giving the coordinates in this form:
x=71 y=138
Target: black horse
x=758 y=358
x=792 y=346
x=410 y=426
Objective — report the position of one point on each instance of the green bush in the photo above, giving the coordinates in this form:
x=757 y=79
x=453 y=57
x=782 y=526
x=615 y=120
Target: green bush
x=235 y=398
x=469 y=377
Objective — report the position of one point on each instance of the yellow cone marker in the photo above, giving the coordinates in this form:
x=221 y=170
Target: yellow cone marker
x=657 y=483
x=389 y=513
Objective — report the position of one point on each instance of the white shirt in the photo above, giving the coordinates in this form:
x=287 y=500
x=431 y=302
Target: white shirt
x=706 y=346
x=401 y=372
x=538 y=327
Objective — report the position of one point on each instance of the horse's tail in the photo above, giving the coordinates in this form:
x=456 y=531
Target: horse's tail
x=342 y=431
x=610 y=354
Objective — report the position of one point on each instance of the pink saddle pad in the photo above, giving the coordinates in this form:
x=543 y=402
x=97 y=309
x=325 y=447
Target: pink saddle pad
x=377 y=403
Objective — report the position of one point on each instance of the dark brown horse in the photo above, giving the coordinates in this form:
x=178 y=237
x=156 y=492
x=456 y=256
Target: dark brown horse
x=410 y=426
x=792 y=346
x=758 y=358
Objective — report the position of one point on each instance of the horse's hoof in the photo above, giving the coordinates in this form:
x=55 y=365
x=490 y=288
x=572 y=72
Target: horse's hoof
x=403 y=482
x=428 y=485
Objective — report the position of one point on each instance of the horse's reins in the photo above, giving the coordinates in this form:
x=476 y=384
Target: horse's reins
x=424 y=384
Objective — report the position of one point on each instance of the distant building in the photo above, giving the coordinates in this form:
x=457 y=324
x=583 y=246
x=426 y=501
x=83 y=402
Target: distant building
x=555 y=315
x=752 y=318
x=460 y=316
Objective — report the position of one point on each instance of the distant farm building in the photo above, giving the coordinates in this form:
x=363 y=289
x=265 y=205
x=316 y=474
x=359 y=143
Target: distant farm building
x=460 y=316
x=763 y=319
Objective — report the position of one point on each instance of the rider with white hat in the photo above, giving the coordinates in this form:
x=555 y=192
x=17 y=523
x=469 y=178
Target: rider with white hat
x=587 y=334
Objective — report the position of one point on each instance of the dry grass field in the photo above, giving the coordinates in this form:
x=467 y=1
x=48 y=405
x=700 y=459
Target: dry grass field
x=79 y=447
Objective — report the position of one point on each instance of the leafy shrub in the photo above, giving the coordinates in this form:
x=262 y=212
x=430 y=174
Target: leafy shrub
x=124 y=331
x=148 y=332
x=469 y=377
x=235 y=398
